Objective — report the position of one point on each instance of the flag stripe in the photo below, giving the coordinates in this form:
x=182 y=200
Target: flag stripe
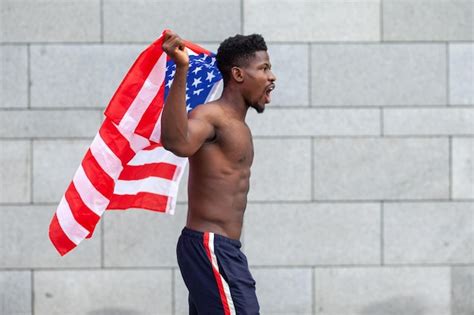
x=147 y=93
x=82 y=214
x=156 y=154
x=73 y=230
x=152 y=114
x=142 y=200
x=91 y=197
x=97 y=176
x=59 y=239
x=107 y=159
x=134 y=172
x=116 y=142
x=133 y=81
x=156 y=185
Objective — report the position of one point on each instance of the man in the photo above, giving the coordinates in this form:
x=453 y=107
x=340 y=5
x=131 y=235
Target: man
x=219 y=145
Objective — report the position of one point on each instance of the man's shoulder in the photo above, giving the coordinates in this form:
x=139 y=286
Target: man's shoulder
x=209 y=111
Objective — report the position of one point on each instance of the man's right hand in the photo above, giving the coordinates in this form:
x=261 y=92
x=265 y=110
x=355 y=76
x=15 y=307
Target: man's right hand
x=174 y=47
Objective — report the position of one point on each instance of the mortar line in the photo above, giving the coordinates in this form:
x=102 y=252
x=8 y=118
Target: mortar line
x=31 y=172
x=312 y=170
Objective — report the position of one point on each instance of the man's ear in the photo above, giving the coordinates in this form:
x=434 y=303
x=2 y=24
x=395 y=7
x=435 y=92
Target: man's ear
x=237 y=74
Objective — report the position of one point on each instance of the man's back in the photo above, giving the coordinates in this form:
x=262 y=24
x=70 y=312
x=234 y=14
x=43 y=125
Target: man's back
x=219 y=173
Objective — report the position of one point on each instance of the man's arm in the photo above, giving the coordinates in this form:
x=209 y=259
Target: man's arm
x=179 y=135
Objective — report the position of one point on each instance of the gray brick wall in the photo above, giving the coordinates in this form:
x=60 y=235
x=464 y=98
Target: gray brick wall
x=362 y=191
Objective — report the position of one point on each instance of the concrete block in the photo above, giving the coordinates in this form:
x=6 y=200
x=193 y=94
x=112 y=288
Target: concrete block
x=49 y=123
x=314 y=122
x=14 y=76
x=381 y=168
x=379 y=74
x=82 y=76
x=144 y=20
x=15 y=171
x=284 y=290
x=104 y=292
x=25 y=242
x=429 y=121
x=50 y=21
x=463 y=168
x=54 y=165
x=306 y=234
x=284 y=176
x=381 y=290
x=462 y=283
x=290 y=64
x=15 y=292
x=461 y=73
x=313 y=20
x=429 y=233
x=422 y=20
x=180 y=294
x=140 y=238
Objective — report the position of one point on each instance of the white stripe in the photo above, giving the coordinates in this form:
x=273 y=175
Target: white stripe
x=136 y=142
x=155 y=185
x=158 y=154
x=215 y=92
x=147 y=93
x=156 y=133
x=73 y=230
x=107 y=159
x=230 y=302
x=91 y=197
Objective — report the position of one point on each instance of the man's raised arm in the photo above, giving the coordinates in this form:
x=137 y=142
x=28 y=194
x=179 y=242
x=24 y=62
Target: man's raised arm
x=179 y=135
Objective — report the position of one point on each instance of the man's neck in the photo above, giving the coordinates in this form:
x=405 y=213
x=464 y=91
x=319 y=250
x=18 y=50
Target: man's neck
x=234 y=103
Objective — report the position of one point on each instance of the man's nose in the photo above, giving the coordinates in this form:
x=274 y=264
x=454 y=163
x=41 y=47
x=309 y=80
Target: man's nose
x=272 y=76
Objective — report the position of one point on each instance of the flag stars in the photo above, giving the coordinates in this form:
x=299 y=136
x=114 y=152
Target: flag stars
x=188 y=107
x=168 y=84
x=197 y=92
x=210 y=76
x=196 y=70
x=196 y=82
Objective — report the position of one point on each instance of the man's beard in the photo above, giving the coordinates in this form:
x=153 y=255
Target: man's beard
x=259 y=109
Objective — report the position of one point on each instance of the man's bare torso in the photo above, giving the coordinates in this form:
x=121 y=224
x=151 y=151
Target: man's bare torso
x=219 y=174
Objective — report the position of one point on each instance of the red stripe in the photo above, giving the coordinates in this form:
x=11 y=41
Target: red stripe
x=97 y=176
x=136 y=172
x=150 y=117
x=217 y=276
x=133 y=81
x=83 y=215
x=116 y=141
x=143 y=200
x=60 y=240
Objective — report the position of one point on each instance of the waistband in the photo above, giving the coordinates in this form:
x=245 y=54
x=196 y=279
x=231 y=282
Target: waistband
x=217 y=237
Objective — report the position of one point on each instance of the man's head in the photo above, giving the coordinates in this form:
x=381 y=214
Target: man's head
x=243 y=60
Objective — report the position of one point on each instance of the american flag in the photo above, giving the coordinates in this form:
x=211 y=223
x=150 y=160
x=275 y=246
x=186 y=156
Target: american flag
x=126 y=166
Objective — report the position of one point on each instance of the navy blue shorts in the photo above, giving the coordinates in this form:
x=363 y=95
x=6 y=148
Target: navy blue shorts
x=216 y=274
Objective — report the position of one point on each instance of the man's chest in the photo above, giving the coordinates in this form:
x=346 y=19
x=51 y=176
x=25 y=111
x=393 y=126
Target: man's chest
x=235 y=140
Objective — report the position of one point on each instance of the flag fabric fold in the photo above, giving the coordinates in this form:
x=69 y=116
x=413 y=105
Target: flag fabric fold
x=126 y=166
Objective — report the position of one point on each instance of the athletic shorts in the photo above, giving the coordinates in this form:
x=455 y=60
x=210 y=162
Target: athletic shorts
x=216 y=274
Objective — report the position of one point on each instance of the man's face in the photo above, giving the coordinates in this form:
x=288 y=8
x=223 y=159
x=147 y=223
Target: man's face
x=259 y=80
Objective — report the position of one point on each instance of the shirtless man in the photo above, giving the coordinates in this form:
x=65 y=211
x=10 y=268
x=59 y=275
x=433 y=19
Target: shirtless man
x=219 y=145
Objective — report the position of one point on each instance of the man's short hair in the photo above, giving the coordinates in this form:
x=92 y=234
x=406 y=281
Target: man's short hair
x=236 y=51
